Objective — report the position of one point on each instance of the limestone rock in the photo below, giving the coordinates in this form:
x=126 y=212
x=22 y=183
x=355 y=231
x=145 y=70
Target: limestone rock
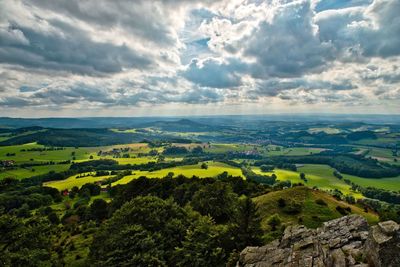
x=382 y=248
x=347 y=241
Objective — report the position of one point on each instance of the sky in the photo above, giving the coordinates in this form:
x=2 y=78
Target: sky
x=67 y=58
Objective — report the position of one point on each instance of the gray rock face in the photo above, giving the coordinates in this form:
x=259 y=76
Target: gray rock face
x=347 y=241
x=383 y=245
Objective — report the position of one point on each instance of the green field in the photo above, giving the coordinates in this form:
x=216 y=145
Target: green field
x=392 y=183
x=292 y=151
x=223 y=148
x=28 y=156
x=214 y=169
x=382 y=154
x=22 y=173
x=74 y=181
x=320 y=176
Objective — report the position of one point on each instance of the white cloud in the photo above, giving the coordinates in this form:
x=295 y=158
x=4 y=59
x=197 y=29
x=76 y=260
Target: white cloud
x=134 y=54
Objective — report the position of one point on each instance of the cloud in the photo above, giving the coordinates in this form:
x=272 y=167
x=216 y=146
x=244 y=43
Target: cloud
x=289 y=45
x=70 y=51
x=126 y=54
x=213 y=73
x=370 y=32
x=274 y=87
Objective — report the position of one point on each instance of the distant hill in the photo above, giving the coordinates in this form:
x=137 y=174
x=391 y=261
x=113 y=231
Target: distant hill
x=305 y=206
x=182 y=125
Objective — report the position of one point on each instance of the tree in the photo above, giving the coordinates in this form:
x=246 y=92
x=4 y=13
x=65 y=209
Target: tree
x=53 y=218
x=197 y=150
x=98 y=209
x=247 y=227
x=217 y=200
x=204 y=166
x=24 y=242
x=143 y=232
x=93 y=189
x=204 y=244
x=266 y=168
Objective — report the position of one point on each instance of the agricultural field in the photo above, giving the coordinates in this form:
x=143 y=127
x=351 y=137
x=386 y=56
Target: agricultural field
x=320 y=176
x=392 y=183
x=22 y=153
x=224 y=148
x=75 y=181
x=21 y=173
x=291 y=151
x=214 y=169
x=382 y=154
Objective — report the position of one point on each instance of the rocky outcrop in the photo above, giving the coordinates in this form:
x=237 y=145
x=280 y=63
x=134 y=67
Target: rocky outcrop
x=347 y=241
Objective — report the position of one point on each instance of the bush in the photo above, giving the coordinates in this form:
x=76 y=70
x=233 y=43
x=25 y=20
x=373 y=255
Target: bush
x=292 y=208
x=321 y=202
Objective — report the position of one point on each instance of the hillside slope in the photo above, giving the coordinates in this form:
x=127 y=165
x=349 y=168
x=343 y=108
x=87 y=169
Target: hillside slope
x=302 y=205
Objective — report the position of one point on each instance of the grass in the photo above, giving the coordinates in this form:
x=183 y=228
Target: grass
x=292 y=151
x=214 y=169
x=312 y=214
x=55 y=155
x=392 y=184
x=22 y=173
x=223 y=148
x=320 y=176
x=74 y=181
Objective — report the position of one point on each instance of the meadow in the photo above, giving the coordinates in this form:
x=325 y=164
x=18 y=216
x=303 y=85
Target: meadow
x=291 y=151
x=21 y=173
x=214 y=169
x=320 y=176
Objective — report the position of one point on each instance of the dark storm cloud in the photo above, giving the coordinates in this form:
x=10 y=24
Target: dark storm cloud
x=69 y=50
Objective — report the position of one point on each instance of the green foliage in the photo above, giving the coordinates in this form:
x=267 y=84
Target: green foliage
x=98 y=209
x=24 y=243
x=175 y=150
x=217 y=200
x=274 y=221
x=139 y=235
